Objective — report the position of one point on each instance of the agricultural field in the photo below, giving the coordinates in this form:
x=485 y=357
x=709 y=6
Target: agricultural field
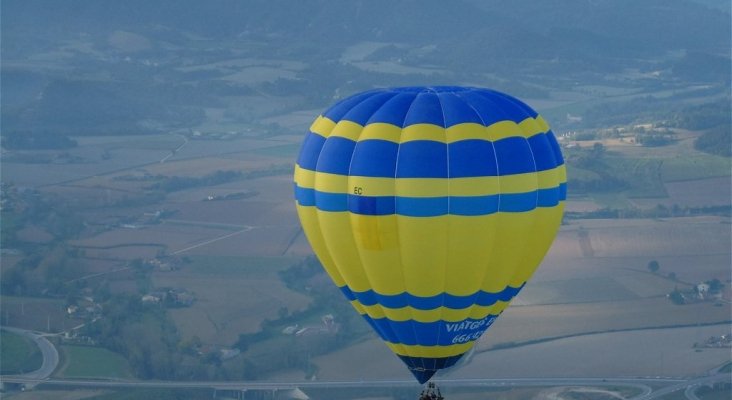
x=665 y=352
x=19 y=354
x=233 y=295
x=85 y=362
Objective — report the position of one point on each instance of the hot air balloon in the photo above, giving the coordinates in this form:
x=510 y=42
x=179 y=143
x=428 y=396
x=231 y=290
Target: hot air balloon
x=430 y=208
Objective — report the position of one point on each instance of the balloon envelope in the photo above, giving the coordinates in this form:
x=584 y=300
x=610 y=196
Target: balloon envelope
x=430 y=208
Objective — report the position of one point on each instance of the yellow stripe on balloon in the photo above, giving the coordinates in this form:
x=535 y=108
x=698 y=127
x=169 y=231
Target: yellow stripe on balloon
x=347 y=129
x=438 y=314
x=537 y=245
x=430 y=187
x=322 y=126
x=430 y=351
x=527 y=128
x=381 y=131
x=423 y=132
x=311 y=228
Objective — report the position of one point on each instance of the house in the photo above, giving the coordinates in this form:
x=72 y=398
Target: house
x=226 y=354
x=290 y=330
x=702 y=289
x=148 y=298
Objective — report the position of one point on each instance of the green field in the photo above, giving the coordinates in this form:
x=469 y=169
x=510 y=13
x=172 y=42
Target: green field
x=93 y=362
x=697 y=166
x=19 y=354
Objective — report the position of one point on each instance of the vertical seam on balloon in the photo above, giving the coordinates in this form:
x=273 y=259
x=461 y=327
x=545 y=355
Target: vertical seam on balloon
x=498 y=182
x=448 y=218
x=515 y=103
x=358 y=250
x=387 y=325
x=320 y=230
x=401 y=261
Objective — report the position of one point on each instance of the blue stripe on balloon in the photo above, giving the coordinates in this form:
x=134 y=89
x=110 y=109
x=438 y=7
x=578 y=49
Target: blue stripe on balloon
x=472 y=157
x=473 y=205
x=332 y=202
x=335 y=156
x=513 y=156
x=431 y=206
x=304 y=196
x=422 y=206
x=311 y=147
x=480 y=298
x=437 y=333
x=542 y=152
x=555 y=146
x=563 y=191
x=422 y=159
x=518 y=202
x=548 y=197
x=376 y=158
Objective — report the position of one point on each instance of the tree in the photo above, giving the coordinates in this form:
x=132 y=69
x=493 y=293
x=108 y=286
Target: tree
x=676 y=297
x=715 y=285
x=654 y=266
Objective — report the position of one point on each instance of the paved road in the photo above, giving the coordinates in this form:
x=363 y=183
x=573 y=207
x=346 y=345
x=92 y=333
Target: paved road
x=48 y=350
x=643 y=384
x=688 y=386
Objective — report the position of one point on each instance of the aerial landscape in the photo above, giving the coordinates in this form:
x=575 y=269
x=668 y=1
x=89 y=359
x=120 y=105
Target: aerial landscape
x=150 y=245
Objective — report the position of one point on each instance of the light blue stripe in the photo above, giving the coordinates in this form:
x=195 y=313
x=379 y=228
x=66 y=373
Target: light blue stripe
x=431 y=206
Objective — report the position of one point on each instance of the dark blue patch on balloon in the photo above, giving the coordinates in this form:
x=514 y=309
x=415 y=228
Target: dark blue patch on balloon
x=423 y=368
x=367 y=205
x=311 y=147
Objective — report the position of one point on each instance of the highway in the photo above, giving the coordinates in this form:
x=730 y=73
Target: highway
x=645 y=385
x=48 y=351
